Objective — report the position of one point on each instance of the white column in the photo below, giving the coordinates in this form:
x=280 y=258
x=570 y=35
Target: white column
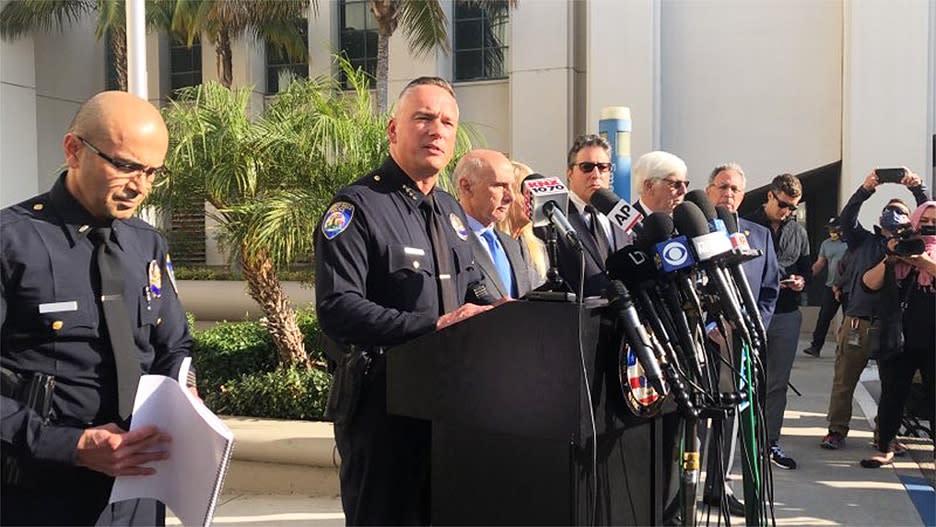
x=887 y=94
x=136 y=48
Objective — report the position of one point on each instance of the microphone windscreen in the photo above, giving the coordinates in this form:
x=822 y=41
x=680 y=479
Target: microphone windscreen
x=701 y=200
x=689 y=220
x=531 y=177
x=656 y=228
x=731 y=223
x=604 y=200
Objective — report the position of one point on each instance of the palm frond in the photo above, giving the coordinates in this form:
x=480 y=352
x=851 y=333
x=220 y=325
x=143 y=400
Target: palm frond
x=424 y=24
x=18 y=18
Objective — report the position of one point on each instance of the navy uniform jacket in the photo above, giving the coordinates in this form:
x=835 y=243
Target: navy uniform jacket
x=763 y=274
x=375 y=280
x=52 y=319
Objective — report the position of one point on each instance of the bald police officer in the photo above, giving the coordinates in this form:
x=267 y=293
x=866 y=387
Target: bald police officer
x=393 y=262
x=79 y=274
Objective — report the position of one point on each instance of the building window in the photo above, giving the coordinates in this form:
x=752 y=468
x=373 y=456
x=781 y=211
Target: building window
x=358 y=36
x=278 y=62
x=480 y=40
x=185 y=64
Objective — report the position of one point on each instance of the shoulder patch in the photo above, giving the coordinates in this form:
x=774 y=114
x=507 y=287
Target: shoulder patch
x=337 y=219
x=458 y=226
x=155 y=280
x=170 y=272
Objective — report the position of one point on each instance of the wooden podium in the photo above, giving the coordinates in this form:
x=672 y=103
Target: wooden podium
x=512 y=439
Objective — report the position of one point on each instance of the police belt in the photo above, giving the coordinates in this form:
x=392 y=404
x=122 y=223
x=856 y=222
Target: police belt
x=35 y=393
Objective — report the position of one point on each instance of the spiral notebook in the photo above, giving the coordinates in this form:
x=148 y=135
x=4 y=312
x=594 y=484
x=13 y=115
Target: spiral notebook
x=190 y=481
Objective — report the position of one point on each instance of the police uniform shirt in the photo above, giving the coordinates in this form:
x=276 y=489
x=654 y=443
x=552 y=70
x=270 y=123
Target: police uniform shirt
x=52 y=317
x=375 y=279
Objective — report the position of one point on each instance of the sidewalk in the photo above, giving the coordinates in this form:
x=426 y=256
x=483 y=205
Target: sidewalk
x=829 y=487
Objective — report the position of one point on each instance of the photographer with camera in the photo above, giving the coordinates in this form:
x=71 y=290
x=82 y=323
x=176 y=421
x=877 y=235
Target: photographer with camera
x=904 y=281
x=860 y=332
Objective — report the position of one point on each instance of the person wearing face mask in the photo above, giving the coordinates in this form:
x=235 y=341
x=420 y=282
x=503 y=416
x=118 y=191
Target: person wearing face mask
x=907 y=289
x=861 y=324
x=88 y=303
x=830 y=254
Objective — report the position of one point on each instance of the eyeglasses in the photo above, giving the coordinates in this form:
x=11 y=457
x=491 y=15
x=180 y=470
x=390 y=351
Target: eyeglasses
x=127 y=167
x=728 y=186
x=588 y=166
x=783 y=204
x=675 y=184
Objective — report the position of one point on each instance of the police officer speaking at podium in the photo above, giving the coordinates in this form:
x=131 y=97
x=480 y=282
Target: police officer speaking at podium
x=393 y=262
x=87 y=304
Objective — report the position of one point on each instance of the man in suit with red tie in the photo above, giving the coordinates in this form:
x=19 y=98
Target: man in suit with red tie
x=483 y=179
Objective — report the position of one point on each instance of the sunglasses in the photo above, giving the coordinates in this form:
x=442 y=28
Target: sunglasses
x=676 y=184
x=588 y=166
x=127 y=167
x=783 y=204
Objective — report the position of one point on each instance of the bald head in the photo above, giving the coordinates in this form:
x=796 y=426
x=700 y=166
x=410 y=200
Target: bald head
x=484 y=179
x=132 y=134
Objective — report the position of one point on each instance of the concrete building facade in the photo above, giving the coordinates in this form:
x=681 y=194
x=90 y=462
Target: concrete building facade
x=835 y=86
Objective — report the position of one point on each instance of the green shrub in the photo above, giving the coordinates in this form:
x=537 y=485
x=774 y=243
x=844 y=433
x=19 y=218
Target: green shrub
x=229 y=350
x=284 y=393
x=238 y=372
x=196 y=272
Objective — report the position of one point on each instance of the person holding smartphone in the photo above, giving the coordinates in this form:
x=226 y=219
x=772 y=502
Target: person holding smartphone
x=861 y=324
x=791 y=245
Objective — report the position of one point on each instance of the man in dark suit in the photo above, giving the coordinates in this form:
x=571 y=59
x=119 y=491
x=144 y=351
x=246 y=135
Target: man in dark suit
x=589 y=168
x=726 y=187
x=484 y=180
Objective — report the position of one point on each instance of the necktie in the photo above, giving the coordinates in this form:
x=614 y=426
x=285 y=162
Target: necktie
x=598 y=232
x=116 y=319
x=448 y=300
x=500 y=260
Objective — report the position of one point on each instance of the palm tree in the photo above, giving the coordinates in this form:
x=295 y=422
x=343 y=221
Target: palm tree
x=20 y=17
x=223 y=21
x=424 y=25
x=272 y=178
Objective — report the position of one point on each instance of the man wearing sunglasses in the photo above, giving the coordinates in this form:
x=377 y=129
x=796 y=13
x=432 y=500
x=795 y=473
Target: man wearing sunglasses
x=660 y=178
x=588 y=169
x=791 y=245
x=87 y=304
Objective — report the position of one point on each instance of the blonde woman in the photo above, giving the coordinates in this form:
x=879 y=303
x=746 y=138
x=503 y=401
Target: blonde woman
x=518 y=225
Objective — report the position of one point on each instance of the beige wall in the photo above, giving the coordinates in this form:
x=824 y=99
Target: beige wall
x=888 y=94
x=777 y=85
x=18 y=125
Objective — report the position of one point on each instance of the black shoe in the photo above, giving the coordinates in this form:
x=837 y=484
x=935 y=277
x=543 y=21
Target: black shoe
x=812 y=351
x=779 y=458
x=735 y=507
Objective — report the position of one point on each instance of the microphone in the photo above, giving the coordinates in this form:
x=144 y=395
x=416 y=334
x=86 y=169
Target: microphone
x=636 y=335
x=690 y=221
x=619 y=211
x=740 y=243
x=700 y=198
x=546 y=200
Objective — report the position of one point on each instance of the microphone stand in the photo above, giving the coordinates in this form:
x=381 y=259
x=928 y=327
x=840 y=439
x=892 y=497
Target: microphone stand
x=555 y=288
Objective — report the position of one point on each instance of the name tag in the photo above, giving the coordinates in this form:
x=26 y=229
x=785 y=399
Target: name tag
x=414 y=251
x=58 y=307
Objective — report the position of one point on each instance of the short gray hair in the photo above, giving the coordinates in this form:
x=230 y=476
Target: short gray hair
x=469 y=167
x=731 y=165
x=656 y=165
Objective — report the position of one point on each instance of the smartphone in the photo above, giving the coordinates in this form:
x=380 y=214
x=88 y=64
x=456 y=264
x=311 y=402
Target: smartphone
x=788 y=281
x=890 y=175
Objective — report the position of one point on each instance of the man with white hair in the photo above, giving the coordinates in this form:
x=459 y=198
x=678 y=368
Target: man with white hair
x=660 y=179
x=483 y=179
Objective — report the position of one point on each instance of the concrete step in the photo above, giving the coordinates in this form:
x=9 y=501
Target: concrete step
x=273 y=456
